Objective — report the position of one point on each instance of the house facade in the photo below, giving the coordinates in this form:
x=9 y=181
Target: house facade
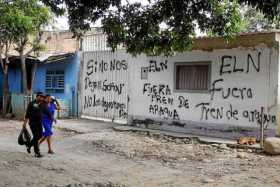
x=220 y=88
x=54 y=71
x=59 y=77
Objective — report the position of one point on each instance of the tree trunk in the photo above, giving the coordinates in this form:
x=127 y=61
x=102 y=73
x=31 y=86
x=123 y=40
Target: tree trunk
x=24 y=74
x=34 y=69
x=6 y=96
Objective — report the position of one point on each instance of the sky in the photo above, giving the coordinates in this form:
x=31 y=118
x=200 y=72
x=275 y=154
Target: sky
x=61 y=23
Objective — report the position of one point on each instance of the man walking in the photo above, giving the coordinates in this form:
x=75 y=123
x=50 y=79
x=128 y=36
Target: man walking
x=33 y=116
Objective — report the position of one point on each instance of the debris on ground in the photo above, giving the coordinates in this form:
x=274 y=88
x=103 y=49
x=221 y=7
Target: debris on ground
x=100 y=154
x=107 y=184
x=272 y=145
x=247 y=141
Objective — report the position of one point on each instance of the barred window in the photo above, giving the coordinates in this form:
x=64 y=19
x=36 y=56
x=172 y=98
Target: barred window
x=55 y=81
x=192 y=76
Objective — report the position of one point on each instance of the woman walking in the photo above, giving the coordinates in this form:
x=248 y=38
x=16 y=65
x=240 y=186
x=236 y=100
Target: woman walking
x=48 y=122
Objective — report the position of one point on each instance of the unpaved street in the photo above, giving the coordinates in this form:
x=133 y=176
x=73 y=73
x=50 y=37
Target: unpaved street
x=92 y=154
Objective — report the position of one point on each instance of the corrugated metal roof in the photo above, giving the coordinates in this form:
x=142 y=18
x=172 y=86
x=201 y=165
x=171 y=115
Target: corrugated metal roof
x=50 y=58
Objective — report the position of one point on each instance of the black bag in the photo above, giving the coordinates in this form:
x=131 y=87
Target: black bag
x=24 y=137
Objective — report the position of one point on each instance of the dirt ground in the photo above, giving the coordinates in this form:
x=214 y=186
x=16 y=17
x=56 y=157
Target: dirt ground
x=97 y=156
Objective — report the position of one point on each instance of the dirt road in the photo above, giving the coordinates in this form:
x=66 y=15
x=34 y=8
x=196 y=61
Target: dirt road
x=99 y=156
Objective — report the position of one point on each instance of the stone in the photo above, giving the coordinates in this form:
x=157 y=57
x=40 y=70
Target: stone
x=250 y=151
x=207 y=180
x=242 y=155
x=244 y=169
x=215 y=145
x=4 y=163
x=272 y=145
x=178 y=141
x=183 y=159
x=254 y=177
x=224 y=146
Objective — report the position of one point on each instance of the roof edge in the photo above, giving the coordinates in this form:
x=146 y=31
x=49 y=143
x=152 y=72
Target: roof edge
x=270 y=39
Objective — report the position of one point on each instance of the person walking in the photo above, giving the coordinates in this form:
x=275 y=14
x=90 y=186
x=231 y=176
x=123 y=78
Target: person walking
x=48 y=123
x=33 y=116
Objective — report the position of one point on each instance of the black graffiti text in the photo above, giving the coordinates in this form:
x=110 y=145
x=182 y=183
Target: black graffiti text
x=94 y=101
x=160 y=89
x=92 y=85
x=225 y=93
x=183 y=102
x=162 y=99
x=155 y=66
x=229 y=64
x=111 y=86
x=208 y=112
x=104 y=86
x=259 y=116
x=118 y=65
x=230 y=113
x=164 y=112
x=103 y=66
x=90 y=67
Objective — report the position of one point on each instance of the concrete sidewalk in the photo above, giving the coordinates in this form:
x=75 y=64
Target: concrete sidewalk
x=83 y=125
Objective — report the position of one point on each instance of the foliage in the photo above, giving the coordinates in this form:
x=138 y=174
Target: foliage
x=22 y=21
x=6 y=40
x=26 y=19
x=5 y=33
x=139 y=27
x=255 y=21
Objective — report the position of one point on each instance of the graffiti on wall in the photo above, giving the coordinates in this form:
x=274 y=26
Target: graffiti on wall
x=229 y=67
x=94 y=66
x=162 y=101
x=165 y=104
x=101 y=92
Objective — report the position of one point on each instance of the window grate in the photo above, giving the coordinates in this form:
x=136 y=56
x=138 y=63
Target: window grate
x=192 y=76
x=55 y=81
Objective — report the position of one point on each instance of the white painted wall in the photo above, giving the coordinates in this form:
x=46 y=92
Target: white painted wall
x=104 y=85
x=235 y=111
x=263 y=85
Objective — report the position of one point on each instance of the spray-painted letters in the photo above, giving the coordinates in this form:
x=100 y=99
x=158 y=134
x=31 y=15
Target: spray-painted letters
x=104 y=94
x=220 y=90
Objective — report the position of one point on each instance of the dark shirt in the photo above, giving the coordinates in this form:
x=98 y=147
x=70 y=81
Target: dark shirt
x=35 y=112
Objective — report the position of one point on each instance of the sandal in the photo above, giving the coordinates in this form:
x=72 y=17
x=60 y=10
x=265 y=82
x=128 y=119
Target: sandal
x=50 y=152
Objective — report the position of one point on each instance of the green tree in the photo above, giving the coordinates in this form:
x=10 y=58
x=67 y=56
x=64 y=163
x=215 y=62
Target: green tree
x=255 y=21
x=137 y=26
x=6 y=41
x=26 y=21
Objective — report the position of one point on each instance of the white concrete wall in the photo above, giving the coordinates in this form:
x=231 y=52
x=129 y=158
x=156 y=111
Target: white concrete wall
x=234 y=110
x=104 y=85
x=257 y=78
